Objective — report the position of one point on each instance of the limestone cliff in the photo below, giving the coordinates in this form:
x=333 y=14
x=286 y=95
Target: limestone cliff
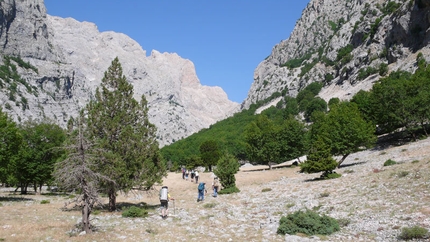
x=344 y=44
x=58 y=64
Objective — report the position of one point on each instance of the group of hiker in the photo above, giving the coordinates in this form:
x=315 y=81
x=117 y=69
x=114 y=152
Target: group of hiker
x=193 y=173
x=201 y=189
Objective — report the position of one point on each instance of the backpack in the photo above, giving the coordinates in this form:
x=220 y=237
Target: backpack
x=216 y=183
x=201 y=186
x=163 y=194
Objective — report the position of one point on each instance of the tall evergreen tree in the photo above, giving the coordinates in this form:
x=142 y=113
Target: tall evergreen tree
x=226 y=167
x=120 y=126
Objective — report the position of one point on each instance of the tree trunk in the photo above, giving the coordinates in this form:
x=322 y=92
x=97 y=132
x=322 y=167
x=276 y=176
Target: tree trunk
x=112 y=200
x=342 y=160
x=86 y=211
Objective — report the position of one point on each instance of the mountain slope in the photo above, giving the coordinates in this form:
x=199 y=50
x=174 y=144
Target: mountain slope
x=342 y=43
x=67 y=61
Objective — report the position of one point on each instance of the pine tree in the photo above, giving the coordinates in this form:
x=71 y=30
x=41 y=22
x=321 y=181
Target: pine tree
x=119 y=125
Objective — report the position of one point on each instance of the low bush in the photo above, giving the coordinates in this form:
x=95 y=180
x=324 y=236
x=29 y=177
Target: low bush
x=229 y=190
x=389 y=162
x=266 y=190
x=309 y=223
x=45 y=202
x=415 y=232
x=134 y=212
x=333 y=175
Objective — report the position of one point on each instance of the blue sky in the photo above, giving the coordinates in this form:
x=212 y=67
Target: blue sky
x=225 y=39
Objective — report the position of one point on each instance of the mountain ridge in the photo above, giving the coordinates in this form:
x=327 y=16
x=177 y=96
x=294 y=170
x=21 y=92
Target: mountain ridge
x=70 y=58
x=379 y=32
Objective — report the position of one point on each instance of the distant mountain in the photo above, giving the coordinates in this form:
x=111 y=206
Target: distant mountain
x=51 y=66
x=347 y=45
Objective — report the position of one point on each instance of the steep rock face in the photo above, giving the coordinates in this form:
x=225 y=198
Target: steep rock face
x=374 y=32
x=68 y=60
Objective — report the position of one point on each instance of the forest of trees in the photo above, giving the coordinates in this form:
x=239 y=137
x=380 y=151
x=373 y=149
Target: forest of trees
x=307 y=125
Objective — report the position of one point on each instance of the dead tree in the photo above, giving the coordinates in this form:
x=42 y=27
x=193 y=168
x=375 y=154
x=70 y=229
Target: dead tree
x=79 y=172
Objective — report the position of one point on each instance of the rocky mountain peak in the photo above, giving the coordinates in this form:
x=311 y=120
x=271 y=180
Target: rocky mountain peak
x=335 y=42
x=60 y=62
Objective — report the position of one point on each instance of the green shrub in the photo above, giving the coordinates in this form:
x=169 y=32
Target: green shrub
x=134 y=212
x=45 y=202
x=266 y=190
x=229 y=190
x=383 y=69
x=364 y=73
x=294 y=63
x=333 y=175
x=309 y=223
x=389 y=162
x=415 y=232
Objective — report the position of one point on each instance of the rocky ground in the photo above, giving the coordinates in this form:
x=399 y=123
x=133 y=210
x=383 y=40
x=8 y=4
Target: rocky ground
x=374 y=202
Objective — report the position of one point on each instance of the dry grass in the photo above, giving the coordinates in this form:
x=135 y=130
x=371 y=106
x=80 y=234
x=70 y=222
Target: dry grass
x=24 y=218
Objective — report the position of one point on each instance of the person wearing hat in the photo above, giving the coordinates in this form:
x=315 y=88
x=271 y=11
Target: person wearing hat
x=164 y=201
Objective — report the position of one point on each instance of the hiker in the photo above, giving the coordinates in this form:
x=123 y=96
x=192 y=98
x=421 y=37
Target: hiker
x=183 y=173
x=186 y=175
x=201 y=191
x=164 y=201
x=215 y=186
x=197 y=176
x=192 y=175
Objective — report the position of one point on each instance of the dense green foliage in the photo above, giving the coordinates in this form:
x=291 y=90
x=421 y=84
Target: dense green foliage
x=227 y=133
x=209 y=153
x=401 y=100
x=10 y=143
x=119 y=126
x=262 y=142
x=38 y=154
x=309 y=223
x=347 y=130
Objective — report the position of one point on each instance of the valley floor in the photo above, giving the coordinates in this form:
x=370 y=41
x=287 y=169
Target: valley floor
x=373 y=201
